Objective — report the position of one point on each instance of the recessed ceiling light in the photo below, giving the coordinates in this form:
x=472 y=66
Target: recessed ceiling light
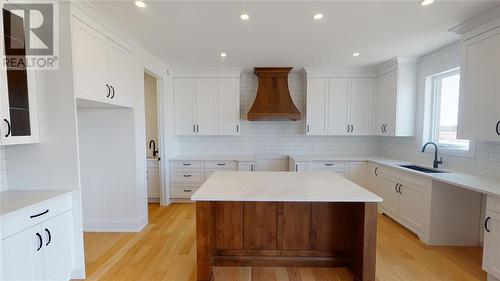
x=140 y=4
x=223 y=55
x=318 y=16
x=355 y=54
x=244 y=16
x=426 y=2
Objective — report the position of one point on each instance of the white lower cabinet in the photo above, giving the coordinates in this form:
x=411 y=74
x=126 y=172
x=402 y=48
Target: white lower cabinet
x=153 y=177
x=187 y=176
x=491 y=246
x=41 y=252
x=373 y=178
x=358 y=172
x=388 y=192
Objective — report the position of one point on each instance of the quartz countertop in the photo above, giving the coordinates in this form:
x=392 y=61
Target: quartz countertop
x=486 y=185
x=282 y=187
x=213 y=157
x=13 y=200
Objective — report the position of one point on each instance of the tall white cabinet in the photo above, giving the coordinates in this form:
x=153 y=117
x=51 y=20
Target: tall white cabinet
x=207 y=105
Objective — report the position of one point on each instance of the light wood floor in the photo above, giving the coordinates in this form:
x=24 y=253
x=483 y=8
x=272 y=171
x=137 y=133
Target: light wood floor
x=165 y=250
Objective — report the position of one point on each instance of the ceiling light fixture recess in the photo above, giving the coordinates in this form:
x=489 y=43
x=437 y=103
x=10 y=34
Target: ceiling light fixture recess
x=140 y=4
x=244 y=17
x=223 y=55
x=318 y=16
x=426 y=2
x=355 y=54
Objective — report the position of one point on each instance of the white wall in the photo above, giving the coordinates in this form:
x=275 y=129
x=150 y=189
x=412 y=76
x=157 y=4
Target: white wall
x=3 y=170
x=272 y=141
x=107 y=170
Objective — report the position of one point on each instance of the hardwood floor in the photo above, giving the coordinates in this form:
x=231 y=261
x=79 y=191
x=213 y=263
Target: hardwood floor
x=165 y=250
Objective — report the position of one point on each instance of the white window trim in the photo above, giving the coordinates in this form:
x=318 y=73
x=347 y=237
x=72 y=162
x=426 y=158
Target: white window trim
x=430 y=131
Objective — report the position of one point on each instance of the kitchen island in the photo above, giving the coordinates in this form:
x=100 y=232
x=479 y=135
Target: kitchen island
x=285 y=219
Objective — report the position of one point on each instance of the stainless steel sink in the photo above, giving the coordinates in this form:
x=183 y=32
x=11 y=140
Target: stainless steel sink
x=423 y=169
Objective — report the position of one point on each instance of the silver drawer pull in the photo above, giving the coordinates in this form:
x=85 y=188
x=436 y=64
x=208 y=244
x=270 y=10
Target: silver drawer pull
x=188 y=190
x=187 y=176
x=186 y=164
x=221 y=164
x=328 y=164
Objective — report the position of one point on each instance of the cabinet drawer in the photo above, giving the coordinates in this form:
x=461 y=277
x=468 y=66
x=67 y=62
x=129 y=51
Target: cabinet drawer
x=187 y=176
x=186 y=164
x=493 y=203
x=32 y=215
x=328 y=166
x=221 y=165
x=183 y=191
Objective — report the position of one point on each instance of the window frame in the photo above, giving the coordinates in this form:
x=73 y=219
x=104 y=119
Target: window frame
x=435 y=107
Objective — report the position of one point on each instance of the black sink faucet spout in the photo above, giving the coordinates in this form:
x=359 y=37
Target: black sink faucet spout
x=436 y=162
x=153 y=144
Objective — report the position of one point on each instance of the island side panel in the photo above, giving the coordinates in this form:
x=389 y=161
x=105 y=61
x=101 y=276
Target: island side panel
x=260 y=225
x=205 y=239
x=329 y=226
x=229 y=225
x=296 y=225
x=362 y=236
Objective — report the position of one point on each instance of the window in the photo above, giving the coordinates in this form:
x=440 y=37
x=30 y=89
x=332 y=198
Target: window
x=444 y=111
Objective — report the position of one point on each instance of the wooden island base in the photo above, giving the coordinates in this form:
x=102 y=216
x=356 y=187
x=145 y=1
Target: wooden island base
x=286 y=234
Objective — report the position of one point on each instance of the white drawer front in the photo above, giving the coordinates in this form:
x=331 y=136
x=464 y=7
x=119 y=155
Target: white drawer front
x=30 y=216
x=188 y=176
x=328 y=166
x=493 y=204
x=183 y=191
x=221 y=165
x=186 y=164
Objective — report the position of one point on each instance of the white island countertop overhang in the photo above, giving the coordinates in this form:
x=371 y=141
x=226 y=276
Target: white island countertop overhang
x=282 y=187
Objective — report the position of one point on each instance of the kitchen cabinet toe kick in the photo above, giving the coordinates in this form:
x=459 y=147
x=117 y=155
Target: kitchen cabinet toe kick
x=291 y=234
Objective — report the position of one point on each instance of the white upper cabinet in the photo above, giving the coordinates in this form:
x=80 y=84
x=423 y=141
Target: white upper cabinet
x=479 y=108
x=395 y=99
x=316 y=114
x=18 y=98
x=102 y=68
x=228 y=105
x=206 y=106
x=339 y=106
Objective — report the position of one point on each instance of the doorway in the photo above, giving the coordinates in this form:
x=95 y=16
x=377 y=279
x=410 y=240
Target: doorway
x=153 y=137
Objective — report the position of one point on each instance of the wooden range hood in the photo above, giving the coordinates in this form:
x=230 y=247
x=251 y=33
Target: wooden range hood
x=273 y=101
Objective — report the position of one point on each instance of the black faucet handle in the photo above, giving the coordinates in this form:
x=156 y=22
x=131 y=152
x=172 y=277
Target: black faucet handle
x=440 y=160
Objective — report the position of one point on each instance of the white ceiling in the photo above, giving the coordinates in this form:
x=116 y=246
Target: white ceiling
x=283 y=33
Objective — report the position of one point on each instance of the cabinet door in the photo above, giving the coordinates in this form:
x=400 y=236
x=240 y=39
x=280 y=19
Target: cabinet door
x=300 y=167
x=373 y=182
x=385 y=104
x=206 y=106
x=246 y=166
x=358 y=173
x=228 y=106
x=338 y=104
x=361 y=106
x=316 y=114
x=413 y=206
x=18 y=103
x=184 y=107
x=89 y=63
x=119 y=74
x=58 y=246
x=153 y=182
x=20 y=258
x=479 y=109
x=389 y=194
x=491 y=247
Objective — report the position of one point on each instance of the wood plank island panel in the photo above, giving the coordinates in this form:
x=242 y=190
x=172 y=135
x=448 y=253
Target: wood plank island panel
x=287 y=234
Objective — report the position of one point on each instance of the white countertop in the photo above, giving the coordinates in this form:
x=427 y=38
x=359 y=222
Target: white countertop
x=490 y=186
x=213 y=157
x=282 y=187
x=13 y=200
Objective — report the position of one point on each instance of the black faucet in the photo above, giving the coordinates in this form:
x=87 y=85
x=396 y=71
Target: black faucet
x=154 y=147
x=436 y=162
